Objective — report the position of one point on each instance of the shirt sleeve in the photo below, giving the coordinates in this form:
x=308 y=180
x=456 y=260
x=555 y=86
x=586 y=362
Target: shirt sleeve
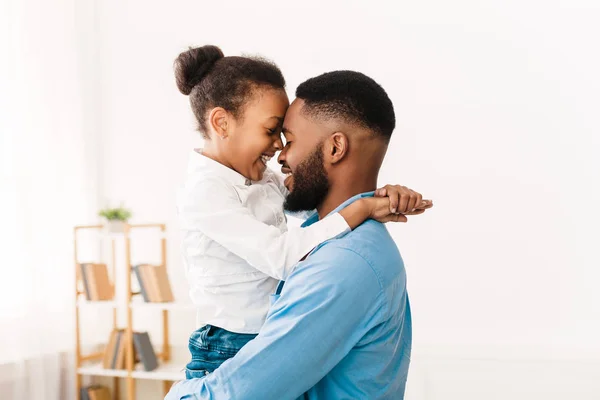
x=214 y=208
x=325 y=308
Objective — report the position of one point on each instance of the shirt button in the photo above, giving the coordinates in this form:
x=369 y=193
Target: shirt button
x=279 y=219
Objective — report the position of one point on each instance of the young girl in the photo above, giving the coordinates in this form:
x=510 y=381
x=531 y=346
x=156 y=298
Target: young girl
x=236 y=244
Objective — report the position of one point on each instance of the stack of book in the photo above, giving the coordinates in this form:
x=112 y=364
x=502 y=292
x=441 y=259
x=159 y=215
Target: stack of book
x=96 y=283
x=154 y=283
x=114 y=355
x=95 y=392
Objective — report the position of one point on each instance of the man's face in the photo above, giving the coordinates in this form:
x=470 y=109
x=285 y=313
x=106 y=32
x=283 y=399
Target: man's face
x=302 y=156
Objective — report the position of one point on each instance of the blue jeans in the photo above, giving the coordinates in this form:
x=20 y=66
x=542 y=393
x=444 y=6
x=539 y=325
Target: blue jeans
x=210 y=346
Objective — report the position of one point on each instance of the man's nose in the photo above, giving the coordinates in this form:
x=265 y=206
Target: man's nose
x=281 y=157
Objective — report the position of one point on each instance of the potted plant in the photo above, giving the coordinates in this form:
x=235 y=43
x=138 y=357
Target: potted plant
x=116 y=217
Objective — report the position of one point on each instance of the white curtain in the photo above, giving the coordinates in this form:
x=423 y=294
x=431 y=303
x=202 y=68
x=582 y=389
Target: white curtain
x=48 y=184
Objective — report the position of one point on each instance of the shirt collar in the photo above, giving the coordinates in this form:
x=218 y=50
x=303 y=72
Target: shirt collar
x=199 y=161
x=315 y=216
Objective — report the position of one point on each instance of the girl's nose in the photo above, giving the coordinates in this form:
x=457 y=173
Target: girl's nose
x=278 y=144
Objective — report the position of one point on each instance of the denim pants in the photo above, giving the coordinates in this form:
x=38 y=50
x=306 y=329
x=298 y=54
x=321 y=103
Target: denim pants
x=211 y=346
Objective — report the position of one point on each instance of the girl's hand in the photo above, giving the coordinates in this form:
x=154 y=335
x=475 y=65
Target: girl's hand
x=378 y=208
x=403 y=200
x=391 y=203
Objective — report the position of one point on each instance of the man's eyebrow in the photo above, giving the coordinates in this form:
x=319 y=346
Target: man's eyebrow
x=279 y=119
x=286 y=131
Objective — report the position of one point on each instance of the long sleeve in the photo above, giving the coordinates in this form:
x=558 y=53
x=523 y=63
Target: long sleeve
x=213 y=208
x=328 y=304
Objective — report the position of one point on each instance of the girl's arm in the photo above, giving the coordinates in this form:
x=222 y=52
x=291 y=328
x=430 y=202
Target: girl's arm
x=213 y=208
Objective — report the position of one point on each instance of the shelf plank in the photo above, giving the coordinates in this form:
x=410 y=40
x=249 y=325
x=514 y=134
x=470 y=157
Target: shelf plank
x=96 y=369
x=97 y=303
x=170 y=371
x=140 y=305
x=164 y=372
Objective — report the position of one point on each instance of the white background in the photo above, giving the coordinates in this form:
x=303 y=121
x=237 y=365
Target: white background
x=497 y=108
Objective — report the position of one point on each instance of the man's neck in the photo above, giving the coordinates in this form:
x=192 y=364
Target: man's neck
x=356 y=177
x=342 y=191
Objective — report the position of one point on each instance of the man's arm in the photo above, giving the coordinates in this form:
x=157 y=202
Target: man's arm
x=327 y=305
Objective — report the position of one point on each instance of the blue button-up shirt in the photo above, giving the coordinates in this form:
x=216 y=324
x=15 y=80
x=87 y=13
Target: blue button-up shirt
x=339 y=329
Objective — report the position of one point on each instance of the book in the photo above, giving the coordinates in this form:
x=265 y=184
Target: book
x=154 y=283
x=157 y=282
x=144 y=349
x=151 y=290
x=110 y=350
x=163 y=283
x=95 y=392
x=121 y=351
x=115 y=353
x=136 y=356
x=104 y=288
x=138 y=274
x=99 y=393
x=86 y=286
x=88 y=272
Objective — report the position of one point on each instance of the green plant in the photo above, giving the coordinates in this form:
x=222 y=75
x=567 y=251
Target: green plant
x=115 y=214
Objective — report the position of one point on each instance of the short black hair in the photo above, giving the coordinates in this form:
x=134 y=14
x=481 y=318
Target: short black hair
x=213 y=80
x=351 y=97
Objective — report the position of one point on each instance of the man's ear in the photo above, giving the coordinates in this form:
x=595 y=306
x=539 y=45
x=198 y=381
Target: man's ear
x=337 y=147
x=218 y=120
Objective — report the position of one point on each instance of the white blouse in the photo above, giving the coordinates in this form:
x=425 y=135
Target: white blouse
x=236 y=243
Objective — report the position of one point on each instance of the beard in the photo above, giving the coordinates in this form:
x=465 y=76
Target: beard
x=311 y=184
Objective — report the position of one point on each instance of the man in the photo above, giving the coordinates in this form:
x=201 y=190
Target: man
x=340 y=326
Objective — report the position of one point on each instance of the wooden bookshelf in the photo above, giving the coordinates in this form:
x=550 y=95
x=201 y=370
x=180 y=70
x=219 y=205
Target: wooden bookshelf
x=91 y=364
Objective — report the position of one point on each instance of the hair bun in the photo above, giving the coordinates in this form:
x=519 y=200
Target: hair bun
x=193 y=65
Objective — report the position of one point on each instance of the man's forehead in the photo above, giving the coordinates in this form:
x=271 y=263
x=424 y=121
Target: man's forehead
x=300 y=122
x=293 y=116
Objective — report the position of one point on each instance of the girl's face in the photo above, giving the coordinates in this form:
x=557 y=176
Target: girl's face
x=254 y=138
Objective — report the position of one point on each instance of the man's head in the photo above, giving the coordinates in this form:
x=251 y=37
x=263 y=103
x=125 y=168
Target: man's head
x=337 y=131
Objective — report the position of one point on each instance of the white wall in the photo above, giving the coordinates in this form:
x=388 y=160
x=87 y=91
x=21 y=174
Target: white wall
x=496 y=104
x=48 y=184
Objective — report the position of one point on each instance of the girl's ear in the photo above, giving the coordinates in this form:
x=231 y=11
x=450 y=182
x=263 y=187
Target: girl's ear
x=218 y=120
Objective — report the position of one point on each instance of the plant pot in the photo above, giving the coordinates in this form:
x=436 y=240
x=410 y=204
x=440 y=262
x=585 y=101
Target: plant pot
x=116 y=226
